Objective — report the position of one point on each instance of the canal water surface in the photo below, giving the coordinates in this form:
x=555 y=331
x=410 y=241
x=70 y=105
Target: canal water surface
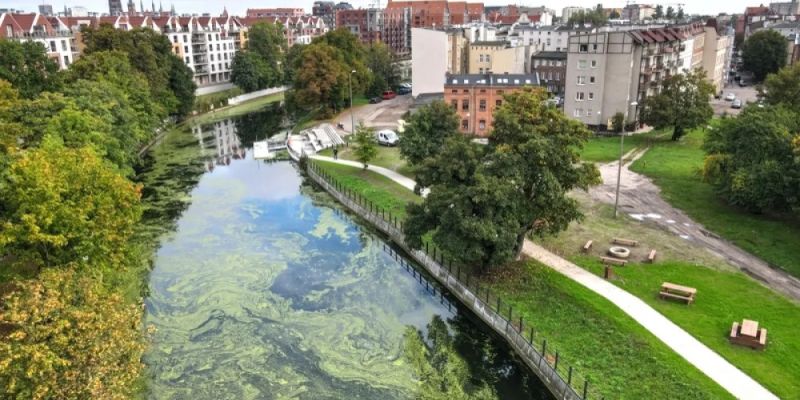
x=264 y=288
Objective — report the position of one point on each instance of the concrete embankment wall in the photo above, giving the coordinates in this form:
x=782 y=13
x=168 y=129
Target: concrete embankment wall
x=254 y=95
x=513 y=333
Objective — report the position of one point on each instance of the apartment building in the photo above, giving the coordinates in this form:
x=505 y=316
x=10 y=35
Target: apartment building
x=34 y=27
x=496 y=57
x=366 y=24
x=717 y=55
x=275 y=12
x=325 y=10
x=475 y=97
x=551 y=67
x=638 y=12
x=547 y=38
x=204 y=44
x=568 y=12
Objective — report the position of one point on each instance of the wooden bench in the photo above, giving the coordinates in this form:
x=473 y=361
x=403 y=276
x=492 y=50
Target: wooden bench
x=587 y=246
x=613 y=261
x=747 y=334
x=677 y=292
x=652 y=256
x=626 y=242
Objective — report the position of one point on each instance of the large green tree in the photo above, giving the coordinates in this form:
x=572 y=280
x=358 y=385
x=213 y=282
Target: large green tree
x=764 y=53
x=260 y=65
x=365 y=143
x=783 y=87
x=250 y=72
x=682 y=103
x=484 y=200
x=588 y=18
x=323 y=80
x=426 y=131
x=28 y=68
x=384 y=71
x=751 y=159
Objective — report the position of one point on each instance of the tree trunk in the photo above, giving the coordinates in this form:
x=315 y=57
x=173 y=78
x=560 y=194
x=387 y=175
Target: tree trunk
x=677 y=132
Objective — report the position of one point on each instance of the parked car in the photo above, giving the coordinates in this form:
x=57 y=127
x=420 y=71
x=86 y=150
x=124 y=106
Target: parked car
x=387 y=137
x=403 y=90
x=388 y=95
x=736 y=104
x=730 y=97
x=375 y=100
x=743 y=83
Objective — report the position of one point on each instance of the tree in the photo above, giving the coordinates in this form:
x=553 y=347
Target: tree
x=63 y=206
x=783 y=87
x=614 y=14
x=294 y=57
x=366 y=146
x=586 y=18
x=66 y=337
x=682 y=103
x=764 y=53
x=28 y=68
x=751 y=159
x=384 y=72
x=484 y=200
x=323 y=79
x=250 y=72
x=618 y=121
x=680 y=15
x=181 y=82
x=427 y=130
x=268 y=42
x=659 y=12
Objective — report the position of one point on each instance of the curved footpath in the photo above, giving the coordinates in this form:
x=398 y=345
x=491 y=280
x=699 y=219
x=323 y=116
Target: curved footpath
x=706 y=360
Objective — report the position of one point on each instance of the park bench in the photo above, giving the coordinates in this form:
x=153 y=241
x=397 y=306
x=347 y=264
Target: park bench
x=747 y=334
x=652 y=256
x=587 y=246
x=677 y=292
x=613 y=261
x=626 y=242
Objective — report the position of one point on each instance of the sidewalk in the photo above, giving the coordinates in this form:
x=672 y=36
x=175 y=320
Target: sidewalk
x=706 y=360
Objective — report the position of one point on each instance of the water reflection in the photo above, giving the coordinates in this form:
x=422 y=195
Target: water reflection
x=266 y=289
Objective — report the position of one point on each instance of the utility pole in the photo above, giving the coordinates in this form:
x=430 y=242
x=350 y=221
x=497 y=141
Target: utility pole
x=352 y=116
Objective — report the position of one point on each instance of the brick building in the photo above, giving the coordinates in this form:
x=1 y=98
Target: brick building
x=475 y=98
x=364 y=23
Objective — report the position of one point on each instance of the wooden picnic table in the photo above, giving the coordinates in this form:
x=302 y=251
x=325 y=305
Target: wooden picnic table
x=678 y=292
x=748 y=334
x=749 y=328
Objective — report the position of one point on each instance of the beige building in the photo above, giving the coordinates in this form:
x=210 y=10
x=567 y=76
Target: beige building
x=434 y=54
x=496 y=57
x=716 y=57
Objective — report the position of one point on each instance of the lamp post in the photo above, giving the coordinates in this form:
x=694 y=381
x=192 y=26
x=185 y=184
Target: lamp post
x=352 y=117
x=599 y=120
x=621 y=153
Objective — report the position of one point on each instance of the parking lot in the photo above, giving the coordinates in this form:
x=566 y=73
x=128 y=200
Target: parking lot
x=747 y=94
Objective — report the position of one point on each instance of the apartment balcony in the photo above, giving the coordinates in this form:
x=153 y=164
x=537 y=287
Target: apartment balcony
x=200 y=59
x=198 y=37
x=201 y=70
x=41 y=35
x=201 y=49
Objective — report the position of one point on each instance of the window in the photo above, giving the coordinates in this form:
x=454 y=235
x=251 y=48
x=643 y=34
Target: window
x=211 y=47
x=581 y=64
x=480 y=58
x=66 y=61
x=594 y=63
x=209 y=36
x=52 y=46
x=581 y=79
x=558 y=76
x=212 y=67
x=211 y=57
x=218 y=37
x=584 y=48
x=589 y=112
x=578 y=112
x=594 y=47
x=580 y=96
x=185 y=49
x=465 y=90
x=225 y=55
x=480 y=70
x=187 y=60
x=591 y=79
x=63 y=45
x=464 y=124
x=482 y=124
x=488 y=58
x=217 y=46
x=591 y=95
x=482 y=105
x=498 y=103
x=465 y=105
x=483 y=91
x=454 y=91
x=454 y=103
x=175 y=39
x=185 y=39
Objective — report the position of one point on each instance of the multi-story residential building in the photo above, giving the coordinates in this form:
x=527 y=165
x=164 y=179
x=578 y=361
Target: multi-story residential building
x=551 y=67
x=115 y=7
x=325 y=10
x=46 y=10
x=717 y=55
x=436 y=53
x=547 y=38
x=35 y=27
x=275 y=12
x=475 y=97
x=367 y=24
x=638 y=12
x=785 y=8
x=496 y=57
x=204 y=44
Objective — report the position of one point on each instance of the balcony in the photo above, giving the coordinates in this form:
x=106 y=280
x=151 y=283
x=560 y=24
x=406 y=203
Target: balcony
x=201 y=49
x=201 y=70
x=200 y=59
x=41 y=35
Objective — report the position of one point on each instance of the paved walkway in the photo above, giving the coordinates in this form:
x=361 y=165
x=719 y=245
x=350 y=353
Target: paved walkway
x=706 y=360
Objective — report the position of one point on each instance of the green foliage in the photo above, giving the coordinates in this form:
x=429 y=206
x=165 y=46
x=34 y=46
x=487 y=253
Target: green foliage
x=442 y=373
x=28 y=68
x=366 y=145
x=64 y=336
x=323 y=79
x=259 y=65
x=659 y=12
x=588 y=18
x=63 y=206
x=268 y=42
x=250 y=72
x=670 y=14
x=783 y=87
x=485 y=200
x=618 y=121
x=751 y=161
x=764 y=53
x=294 y=58
x=384 y=72
x=426 y=131
x=682 y=103
x=169 y=80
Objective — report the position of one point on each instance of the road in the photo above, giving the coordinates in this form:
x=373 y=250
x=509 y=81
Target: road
x=383 y=115
x=640 y=199
x=747 y=94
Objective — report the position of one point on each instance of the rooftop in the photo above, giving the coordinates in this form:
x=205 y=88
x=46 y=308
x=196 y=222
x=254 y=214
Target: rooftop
x=492 y=80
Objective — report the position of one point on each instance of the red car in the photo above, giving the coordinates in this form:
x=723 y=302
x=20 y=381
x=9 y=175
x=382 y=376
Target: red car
x=388 y=95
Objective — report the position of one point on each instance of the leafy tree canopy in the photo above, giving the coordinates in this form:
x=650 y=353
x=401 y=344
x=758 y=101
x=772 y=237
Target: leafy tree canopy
x=426 y=131
x=250 y=72
x=259 y=66
x=323 y=79
x=28 y=68
x=366 y=146
x=586 y=18
x=682 y=103
x=485 y=200
x=764 y=53
x=783 y=87
x=384 y=72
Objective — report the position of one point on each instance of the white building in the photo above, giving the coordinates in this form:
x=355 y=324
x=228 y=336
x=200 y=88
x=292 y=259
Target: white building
x=35 y=27
x=204 y=44
x=547 y=38
x=429 y=60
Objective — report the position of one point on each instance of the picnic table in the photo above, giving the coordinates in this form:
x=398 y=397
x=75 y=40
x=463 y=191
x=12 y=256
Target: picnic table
x=748 y=334
x=678 y=292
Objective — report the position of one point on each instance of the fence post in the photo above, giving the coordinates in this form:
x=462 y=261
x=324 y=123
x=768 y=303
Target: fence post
x=555 y=367
x=569 y=376
x=498 y=306
x=585 y=388
x=520 y=325
x=544 y=348
x=531 y=339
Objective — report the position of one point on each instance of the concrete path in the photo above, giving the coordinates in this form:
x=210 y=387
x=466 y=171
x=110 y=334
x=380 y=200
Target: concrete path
x=706 y=360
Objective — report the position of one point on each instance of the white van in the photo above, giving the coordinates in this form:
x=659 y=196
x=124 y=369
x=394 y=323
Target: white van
x=387 y=137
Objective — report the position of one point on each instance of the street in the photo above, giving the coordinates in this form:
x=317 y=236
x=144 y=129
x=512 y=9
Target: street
x=379 y=116
x=747 y=94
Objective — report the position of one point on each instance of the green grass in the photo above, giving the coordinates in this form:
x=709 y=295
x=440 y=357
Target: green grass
x=723 y=297
x=619 y=357
x=233 y=111
x=204 y=102
x=378 y=189
x=675 y=168
x=606 y=149
x=387 y=157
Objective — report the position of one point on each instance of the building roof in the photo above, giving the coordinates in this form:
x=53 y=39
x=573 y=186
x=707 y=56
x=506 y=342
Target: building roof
x=503 y=80
x=551 y=55
x=495 y=43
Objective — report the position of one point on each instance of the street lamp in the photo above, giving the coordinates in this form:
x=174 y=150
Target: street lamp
x=352 y=117
x=599 y=120
x=621 y=153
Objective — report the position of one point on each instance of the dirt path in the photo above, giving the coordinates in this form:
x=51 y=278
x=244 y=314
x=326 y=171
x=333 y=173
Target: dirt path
x=641 y=199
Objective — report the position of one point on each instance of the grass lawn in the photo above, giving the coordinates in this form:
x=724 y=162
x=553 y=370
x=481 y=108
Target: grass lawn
x=606 y=149
x=202 y=103
x=675 y=166
x=381 y=191
x=387 y=157
x=244 y=108
x=619 y=357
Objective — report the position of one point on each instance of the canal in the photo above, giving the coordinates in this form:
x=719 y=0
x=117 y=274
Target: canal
x=264 y=288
